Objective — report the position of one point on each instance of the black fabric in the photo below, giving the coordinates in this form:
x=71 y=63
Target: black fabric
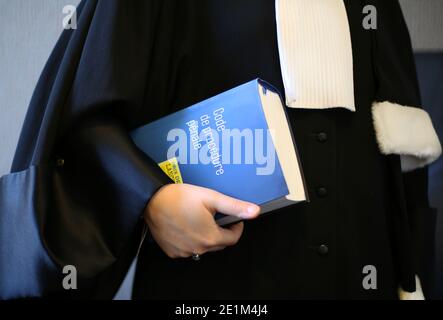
x=397 y=82
x=371 y=213
x=131 y=62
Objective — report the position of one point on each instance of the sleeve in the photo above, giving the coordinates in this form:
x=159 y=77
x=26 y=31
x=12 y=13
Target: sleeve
x=78 y=185
x=402 y=126
x=404 y=131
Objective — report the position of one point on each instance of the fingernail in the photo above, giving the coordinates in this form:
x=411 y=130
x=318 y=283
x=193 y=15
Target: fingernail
x=252 y=210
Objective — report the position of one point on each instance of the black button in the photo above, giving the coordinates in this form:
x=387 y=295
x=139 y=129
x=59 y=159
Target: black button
x=60 y=162
x=322 y=249
x=322 y=192
x=322 y=136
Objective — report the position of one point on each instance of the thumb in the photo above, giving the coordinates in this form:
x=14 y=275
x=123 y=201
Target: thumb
x=231 y=206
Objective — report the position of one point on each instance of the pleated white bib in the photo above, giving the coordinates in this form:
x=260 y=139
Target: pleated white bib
x=315 y=51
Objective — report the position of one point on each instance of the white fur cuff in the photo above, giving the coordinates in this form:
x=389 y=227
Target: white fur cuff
x=406 y=131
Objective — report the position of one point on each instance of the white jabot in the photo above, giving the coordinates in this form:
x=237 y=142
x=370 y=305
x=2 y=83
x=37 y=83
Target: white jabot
x=315 y=51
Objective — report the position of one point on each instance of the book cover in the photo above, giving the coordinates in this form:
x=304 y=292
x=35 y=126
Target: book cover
x=222 y=143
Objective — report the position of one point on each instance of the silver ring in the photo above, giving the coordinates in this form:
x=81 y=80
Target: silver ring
x=196 y=257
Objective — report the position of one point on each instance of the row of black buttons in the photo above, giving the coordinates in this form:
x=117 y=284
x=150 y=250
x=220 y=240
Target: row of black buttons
x=322 y=192
x=322 y=137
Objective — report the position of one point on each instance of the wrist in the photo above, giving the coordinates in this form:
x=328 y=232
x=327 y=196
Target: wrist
x=149 y=209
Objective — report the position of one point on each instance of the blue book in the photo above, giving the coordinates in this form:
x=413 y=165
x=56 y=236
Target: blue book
x=238 y=143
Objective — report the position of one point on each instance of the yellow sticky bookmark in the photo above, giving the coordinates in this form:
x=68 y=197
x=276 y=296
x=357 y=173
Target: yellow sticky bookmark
x=171 y=168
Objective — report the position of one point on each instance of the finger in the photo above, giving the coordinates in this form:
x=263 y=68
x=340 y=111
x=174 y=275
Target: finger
x=219 y=202
x=231 y=235
x=218 y=248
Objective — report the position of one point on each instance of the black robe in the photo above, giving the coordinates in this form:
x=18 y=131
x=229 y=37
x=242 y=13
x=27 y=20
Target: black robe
x=79 y=185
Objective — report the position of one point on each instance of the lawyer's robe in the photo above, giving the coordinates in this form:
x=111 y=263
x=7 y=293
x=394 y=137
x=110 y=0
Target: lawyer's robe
x=358 y=214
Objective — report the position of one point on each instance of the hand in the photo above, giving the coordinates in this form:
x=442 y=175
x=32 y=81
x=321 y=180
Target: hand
x=181 y=219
